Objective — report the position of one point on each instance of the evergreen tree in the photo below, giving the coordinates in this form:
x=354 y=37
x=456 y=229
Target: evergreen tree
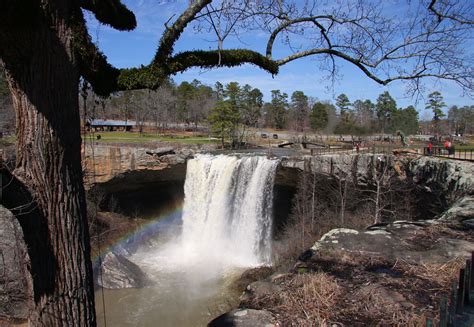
x=405 y=120
x=219 y=91
x=251 y=107
x=385 y=107
x=436 y=104
x=364 y=112
x=319 y=116
x=343 y=103
x=279 y=105
x=233 y=94
x=299 y=108
x=224 y=120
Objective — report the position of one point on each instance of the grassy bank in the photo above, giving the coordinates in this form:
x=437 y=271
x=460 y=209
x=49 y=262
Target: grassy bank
x=132 y=137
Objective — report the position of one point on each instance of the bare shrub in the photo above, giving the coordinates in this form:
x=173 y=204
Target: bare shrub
x=374 y=310
x=319 y=299
x=331 y=199
x=306 y=300
x=441 y=274
x=360 y=217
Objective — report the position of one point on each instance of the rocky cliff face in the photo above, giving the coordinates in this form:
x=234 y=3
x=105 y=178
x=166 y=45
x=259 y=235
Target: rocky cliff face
x=450 y=176
x=103 y=163
x=15 y=300
x=455 y=178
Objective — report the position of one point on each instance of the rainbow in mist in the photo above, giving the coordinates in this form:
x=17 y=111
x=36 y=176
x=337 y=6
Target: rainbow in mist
x=141 y=234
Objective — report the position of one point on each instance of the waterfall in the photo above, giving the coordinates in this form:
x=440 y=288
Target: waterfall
x=227 y=215
x=193 y=258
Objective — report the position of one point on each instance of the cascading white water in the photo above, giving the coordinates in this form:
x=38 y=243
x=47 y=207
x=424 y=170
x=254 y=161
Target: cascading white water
x=226 y=227
x=227 y=216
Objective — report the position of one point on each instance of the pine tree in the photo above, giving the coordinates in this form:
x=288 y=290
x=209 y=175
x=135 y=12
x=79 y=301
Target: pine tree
x=436 y=104
x=385 y=107
x=319 y=116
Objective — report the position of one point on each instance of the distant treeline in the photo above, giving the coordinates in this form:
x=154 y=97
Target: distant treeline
x=232 y=107
x=225 y=107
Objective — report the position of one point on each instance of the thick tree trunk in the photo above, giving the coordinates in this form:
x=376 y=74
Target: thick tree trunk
x=43 y=79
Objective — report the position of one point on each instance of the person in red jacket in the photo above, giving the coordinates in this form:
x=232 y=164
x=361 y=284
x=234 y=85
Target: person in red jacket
x=446 y=144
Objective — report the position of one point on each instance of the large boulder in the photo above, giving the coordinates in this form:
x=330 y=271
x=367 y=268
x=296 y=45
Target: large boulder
x=462 y=211
x=15 y=282
x=259 y=289
x=119 y=272
x=410 y=241
x=244 y=318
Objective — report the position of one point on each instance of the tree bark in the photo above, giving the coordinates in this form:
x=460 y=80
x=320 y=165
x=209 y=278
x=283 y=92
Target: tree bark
x=43 y=77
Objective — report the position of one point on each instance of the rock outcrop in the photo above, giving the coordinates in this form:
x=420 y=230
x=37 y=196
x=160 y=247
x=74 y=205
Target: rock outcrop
x=244 y=318
x=107 y=162
x=15 y=299
x=416 y=242
x=462 y=211
x=119 y=272
x=447 y=176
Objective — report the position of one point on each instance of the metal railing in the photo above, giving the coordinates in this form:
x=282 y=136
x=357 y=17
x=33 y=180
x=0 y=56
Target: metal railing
x=438 y=151
x=369 y=149
x=461 y=298
x=441 y=152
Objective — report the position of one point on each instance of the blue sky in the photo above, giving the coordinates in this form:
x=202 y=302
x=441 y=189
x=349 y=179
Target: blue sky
x=128 y=49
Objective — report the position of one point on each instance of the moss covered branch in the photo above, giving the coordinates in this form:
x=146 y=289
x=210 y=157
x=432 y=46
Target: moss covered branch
x=172 y=33
x=226 y=58
x=111 y=12
x=153 y=75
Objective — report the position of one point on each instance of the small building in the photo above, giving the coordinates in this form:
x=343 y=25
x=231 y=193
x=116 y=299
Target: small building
x=110 y=125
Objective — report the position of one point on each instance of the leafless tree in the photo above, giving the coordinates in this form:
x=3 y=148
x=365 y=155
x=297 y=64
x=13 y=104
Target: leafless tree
x=381 y=181
x=387 y=41
x=199 y=108
x=389 y=193
x=163 y=102
x=461 y=12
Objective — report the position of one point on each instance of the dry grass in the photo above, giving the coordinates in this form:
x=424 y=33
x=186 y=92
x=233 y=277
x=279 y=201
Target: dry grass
x=439 y=273
x=358 y=290
x=306 y=300
x=429 y=236
x=319 y=299
x=311 y=298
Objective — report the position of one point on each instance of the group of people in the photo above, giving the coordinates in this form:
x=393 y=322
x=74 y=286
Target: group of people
x=448 y=146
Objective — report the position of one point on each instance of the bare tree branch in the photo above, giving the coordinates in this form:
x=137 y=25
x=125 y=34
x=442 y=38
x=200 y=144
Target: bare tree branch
x=384 y=46
x=460 y=18
x=172 y=34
